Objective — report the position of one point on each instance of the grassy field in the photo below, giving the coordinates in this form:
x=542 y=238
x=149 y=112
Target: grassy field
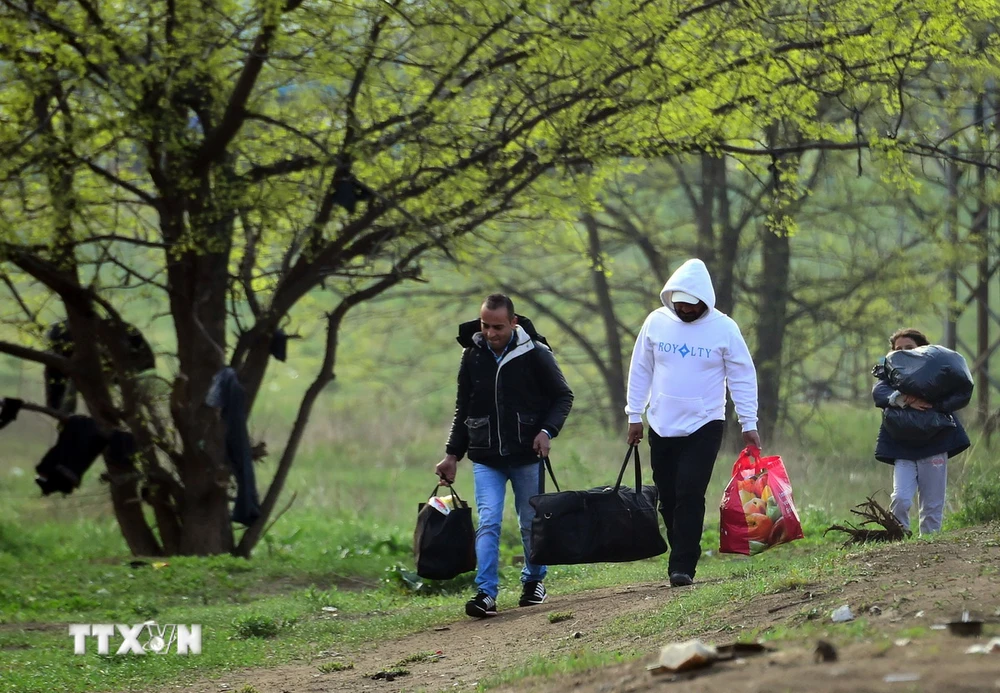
x=345 y=544
x=335 y=571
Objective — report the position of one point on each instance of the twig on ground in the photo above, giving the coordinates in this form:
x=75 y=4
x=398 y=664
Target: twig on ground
x=873 y=514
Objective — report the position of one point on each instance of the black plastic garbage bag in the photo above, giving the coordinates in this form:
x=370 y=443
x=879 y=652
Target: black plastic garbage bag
x=933 y=373
x=915 y=426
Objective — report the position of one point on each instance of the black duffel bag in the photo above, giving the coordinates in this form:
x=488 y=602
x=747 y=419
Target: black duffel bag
x=444 y=546
x=602 y=525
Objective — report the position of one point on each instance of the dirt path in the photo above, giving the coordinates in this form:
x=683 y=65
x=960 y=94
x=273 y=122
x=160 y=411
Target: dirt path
x=925 y=585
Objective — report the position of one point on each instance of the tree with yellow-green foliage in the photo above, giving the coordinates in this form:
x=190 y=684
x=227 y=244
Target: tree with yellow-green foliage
x=235 y=158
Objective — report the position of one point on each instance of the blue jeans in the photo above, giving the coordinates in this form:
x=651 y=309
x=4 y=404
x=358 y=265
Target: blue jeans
x=491 y=490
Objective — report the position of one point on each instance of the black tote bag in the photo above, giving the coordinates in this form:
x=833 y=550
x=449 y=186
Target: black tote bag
x=444 y=546
x=603 y=525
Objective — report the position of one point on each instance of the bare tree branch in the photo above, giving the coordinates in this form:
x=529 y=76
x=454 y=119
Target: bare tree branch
x=324 y=377
x=234 y=116
x=44 y=357
x=41 y=409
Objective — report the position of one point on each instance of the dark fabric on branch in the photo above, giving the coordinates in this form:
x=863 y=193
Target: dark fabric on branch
x=62 y=468
x=227 y=394
x=9 y=410
x=59 y=391
x=348 y=191
x=279 y=345
x=120 y=453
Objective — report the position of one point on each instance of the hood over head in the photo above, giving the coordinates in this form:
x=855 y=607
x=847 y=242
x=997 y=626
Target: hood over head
x=691 y=278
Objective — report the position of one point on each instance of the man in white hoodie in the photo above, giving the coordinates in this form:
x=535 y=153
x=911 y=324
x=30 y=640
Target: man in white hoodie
x=684 y=357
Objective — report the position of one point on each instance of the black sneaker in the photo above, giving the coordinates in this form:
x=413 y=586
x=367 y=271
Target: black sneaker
x=680 y=580
x=533 y=593
x=481 y=606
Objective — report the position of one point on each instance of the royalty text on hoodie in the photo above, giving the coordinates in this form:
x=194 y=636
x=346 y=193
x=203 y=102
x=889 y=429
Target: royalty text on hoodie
x=681 y=369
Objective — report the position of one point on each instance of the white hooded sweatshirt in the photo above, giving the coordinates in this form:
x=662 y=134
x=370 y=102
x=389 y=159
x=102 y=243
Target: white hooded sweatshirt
x=683 y=367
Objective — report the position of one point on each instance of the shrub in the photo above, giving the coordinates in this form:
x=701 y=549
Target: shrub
x=255 y=626
x=979 y=499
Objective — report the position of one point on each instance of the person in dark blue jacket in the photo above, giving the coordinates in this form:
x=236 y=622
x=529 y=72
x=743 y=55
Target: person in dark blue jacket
x=920 y=465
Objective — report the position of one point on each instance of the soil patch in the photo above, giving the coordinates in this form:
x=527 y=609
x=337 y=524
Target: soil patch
x=900 y=588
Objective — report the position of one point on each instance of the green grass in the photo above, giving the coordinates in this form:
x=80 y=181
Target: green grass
x=331 y=667
x=257 y=626
x=353 y=555
x=741 y=584
x=785 y=569
x=270 y=610
x=418 y=657
x=581 y=659
x=979 y=492
x=345 y=543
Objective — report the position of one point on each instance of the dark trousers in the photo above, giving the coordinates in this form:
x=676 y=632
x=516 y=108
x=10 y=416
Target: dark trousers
x=682 y=468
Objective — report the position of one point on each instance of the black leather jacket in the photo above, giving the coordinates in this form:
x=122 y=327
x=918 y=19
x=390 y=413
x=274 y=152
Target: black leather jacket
x=500 y=408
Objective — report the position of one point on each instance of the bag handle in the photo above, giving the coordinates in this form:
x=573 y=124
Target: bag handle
x=748 y=452
x=546 y=464
x=458 y=500
x=751 y=453
x=638 y=469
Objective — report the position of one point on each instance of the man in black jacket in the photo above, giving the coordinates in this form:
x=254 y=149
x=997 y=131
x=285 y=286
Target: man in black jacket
x=512 y=400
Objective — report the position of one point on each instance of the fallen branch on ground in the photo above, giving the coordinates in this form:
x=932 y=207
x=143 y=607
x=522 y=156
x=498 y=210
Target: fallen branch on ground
x=874 y=514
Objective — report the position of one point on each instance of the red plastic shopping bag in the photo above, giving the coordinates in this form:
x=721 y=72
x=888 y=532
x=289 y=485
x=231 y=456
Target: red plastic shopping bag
x=757 y=510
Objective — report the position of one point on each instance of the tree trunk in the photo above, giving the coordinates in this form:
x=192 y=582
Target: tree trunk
x=951 y=239
x=198 y=307
x=205 y=525
x=615 y=371
x=773 y=318
x=724 y=278
x=127 y=504
x=771 y=324
x=325 y=376
x=705 y=211
x=729 y=244
x=980 y=236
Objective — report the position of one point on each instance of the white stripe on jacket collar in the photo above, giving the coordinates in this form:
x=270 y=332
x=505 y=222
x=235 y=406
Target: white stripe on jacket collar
x=524 y=343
